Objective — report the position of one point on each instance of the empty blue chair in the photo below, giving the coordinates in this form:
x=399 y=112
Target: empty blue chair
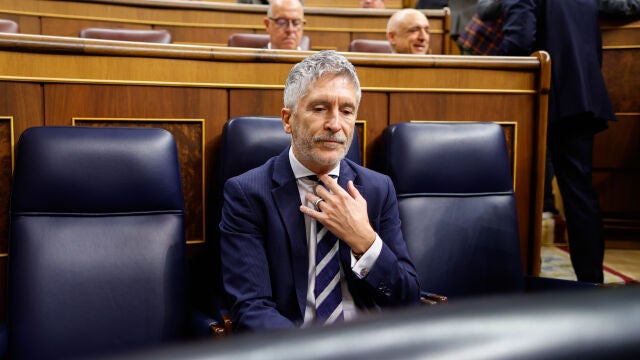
x=456 y=201
x=249 y=141
x=97 y=243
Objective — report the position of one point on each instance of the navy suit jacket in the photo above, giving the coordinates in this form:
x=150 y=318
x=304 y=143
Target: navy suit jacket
x=569 y=30
x=264 y=246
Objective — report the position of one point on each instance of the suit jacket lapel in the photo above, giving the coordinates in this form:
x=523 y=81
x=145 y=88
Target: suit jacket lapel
x=287 y=200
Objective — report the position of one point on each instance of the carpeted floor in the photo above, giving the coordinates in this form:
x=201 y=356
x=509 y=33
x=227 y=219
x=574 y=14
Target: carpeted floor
x=556 y=264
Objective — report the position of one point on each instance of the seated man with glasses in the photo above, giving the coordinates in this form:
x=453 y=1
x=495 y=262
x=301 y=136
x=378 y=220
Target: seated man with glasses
x=285 y=23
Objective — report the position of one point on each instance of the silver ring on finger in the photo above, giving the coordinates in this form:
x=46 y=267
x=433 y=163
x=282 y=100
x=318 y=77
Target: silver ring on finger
x=317 y=202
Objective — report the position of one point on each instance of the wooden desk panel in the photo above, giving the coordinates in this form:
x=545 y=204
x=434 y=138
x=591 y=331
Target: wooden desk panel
x=616 y=156
x=58 y=79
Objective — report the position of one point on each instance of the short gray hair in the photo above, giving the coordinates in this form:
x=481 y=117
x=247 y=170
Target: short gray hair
x=271 y=5
x=312 y=68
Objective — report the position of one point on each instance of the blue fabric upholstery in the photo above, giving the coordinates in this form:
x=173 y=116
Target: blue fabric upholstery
x=457 y=206
x=97 y=246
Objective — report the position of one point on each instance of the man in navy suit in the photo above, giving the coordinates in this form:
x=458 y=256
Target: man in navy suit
x=271 y=213
x=579 y=107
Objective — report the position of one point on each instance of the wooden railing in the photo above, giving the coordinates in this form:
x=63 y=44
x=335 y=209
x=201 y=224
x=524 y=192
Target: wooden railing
x=616 y=156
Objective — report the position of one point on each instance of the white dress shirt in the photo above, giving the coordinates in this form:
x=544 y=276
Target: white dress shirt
x=359 y=267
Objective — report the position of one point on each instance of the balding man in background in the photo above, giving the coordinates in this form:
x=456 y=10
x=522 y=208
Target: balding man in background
x=408 y=32
x=285 y=24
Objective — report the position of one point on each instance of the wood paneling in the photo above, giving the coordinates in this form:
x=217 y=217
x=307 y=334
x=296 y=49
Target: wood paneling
x=620 y=67
x=616 y=171
x=20 y=108
x=243 y=102
x=6 y=169
x=625 y=135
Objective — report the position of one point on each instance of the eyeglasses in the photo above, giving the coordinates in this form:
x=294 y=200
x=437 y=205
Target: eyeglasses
x=284 y=22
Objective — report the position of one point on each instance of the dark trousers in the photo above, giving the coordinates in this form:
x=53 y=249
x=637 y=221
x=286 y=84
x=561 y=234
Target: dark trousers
x=549 y=204
x=570 y=146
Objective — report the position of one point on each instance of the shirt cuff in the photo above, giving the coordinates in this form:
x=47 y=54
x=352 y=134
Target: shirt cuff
x=361 y=267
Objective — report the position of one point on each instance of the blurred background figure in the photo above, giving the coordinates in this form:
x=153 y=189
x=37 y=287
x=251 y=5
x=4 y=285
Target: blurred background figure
x=285 y=24
x=461 y=13
x=408 y=32
x=431 y=4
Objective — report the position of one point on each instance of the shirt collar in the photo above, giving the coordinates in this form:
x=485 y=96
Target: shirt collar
x=300 y=171
x=269 y=46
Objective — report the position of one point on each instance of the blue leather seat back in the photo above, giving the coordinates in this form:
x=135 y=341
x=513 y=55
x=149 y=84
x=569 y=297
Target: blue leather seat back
x=457 y=206
x=97 y=247
x=249 y=141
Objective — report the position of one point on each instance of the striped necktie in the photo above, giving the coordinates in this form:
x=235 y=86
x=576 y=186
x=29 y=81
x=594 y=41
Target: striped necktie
x=327 y=288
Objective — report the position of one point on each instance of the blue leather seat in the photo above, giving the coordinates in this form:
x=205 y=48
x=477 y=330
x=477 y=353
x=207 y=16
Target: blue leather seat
x=97 y=244
x=457 y=206
x=249 y=141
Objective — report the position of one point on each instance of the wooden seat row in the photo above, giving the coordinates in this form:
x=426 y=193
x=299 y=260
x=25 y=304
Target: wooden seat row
x=208 y=23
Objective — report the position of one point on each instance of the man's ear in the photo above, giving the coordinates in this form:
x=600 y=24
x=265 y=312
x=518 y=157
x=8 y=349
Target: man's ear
x=285 y=114
x=266 y=22
x=391 y=37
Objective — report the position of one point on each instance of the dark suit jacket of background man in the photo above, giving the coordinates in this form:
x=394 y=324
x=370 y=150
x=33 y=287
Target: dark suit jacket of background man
x=575 y=44
x=264 y=246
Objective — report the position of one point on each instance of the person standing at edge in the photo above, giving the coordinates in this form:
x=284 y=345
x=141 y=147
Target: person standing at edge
x=579 y=107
